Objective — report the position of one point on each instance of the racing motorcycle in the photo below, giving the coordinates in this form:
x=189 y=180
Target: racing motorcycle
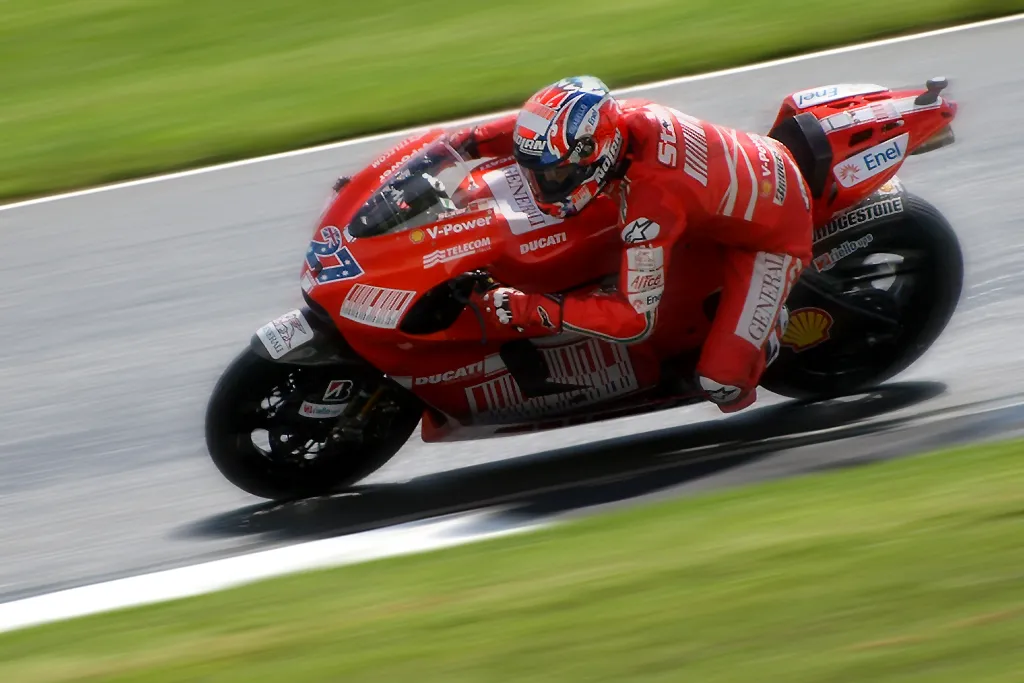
x=389 y=337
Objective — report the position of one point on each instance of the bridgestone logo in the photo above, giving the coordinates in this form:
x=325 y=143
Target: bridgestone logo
x=859 y=216
x=696 y=150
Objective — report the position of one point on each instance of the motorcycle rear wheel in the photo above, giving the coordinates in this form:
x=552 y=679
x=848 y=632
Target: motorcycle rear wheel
x=243 y=404
x=847 y=365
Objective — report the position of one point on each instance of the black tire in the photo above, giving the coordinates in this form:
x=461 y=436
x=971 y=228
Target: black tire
x=825 y=371
x=234 y=411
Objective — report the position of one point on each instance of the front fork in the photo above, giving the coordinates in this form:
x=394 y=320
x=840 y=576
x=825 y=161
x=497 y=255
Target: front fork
x=303 y=338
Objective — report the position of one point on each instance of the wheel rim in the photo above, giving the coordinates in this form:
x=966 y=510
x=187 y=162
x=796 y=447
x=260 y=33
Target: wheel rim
x=900 y=280
x=269 y=422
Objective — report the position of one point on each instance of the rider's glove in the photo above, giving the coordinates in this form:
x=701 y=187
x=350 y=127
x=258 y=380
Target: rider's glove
x=530 y=313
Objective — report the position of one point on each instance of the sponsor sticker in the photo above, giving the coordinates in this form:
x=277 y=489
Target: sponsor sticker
x=780 y=179
x=859 y=216
x=515 y=201
x=645 y=302
x=542 y=243
x=460 y=373
x=487 y=366
x=376 y=306
x=640 y=230
x=607 y=162
x=871 y=162
x=436 y=258
x=765 y=163
x=641 y=258
x=807 y=328
x=764 y=297
x=458 y=227
x=644 y=281
x=667 y=153
x=644 y=289
x=830 y=258
x=320 y=411
x=339 y=390
x=528 y=146
x=830 y=93
x=283 y=334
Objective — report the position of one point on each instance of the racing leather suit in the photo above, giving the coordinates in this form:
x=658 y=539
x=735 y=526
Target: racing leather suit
x=683 y=175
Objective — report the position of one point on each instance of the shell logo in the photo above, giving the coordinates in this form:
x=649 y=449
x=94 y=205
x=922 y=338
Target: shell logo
x=807 y=327
x=416 y=236
x=766 y=188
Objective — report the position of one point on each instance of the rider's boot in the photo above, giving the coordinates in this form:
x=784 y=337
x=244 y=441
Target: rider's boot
x=731 y=398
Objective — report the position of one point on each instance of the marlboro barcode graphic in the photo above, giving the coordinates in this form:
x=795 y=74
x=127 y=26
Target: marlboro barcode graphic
x=600 y=369
x=695 y=150
x=376 y=306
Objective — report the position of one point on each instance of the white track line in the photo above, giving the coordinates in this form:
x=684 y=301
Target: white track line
x=403 y=539
x=463 y=121
x=184 y=582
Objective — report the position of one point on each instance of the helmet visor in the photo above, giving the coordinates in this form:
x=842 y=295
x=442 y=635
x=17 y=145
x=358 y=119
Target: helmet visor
x=555 y=184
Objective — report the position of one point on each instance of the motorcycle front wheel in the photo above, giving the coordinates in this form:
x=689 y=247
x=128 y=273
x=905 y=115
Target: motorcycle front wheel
x=271 y=433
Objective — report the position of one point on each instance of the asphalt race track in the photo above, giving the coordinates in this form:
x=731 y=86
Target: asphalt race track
x=122 y=307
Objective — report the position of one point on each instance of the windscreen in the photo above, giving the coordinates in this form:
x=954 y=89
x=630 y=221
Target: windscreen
x=419 y=192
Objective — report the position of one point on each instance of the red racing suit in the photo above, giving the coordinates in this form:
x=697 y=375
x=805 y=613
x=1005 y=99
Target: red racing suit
x=740 y=190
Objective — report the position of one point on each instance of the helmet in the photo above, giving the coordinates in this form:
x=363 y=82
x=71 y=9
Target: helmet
x=568 y=139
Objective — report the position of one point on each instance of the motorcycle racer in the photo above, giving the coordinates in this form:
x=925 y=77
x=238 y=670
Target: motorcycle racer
x=675 y=176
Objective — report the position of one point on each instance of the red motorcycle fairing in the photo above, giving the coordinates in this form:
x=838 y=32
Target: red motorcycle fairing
x=373 y=284
x=868 y=131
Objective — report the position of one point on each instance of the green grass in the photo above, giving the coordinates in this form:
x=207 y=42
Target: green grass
x=98 y=90
x=906 y=571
